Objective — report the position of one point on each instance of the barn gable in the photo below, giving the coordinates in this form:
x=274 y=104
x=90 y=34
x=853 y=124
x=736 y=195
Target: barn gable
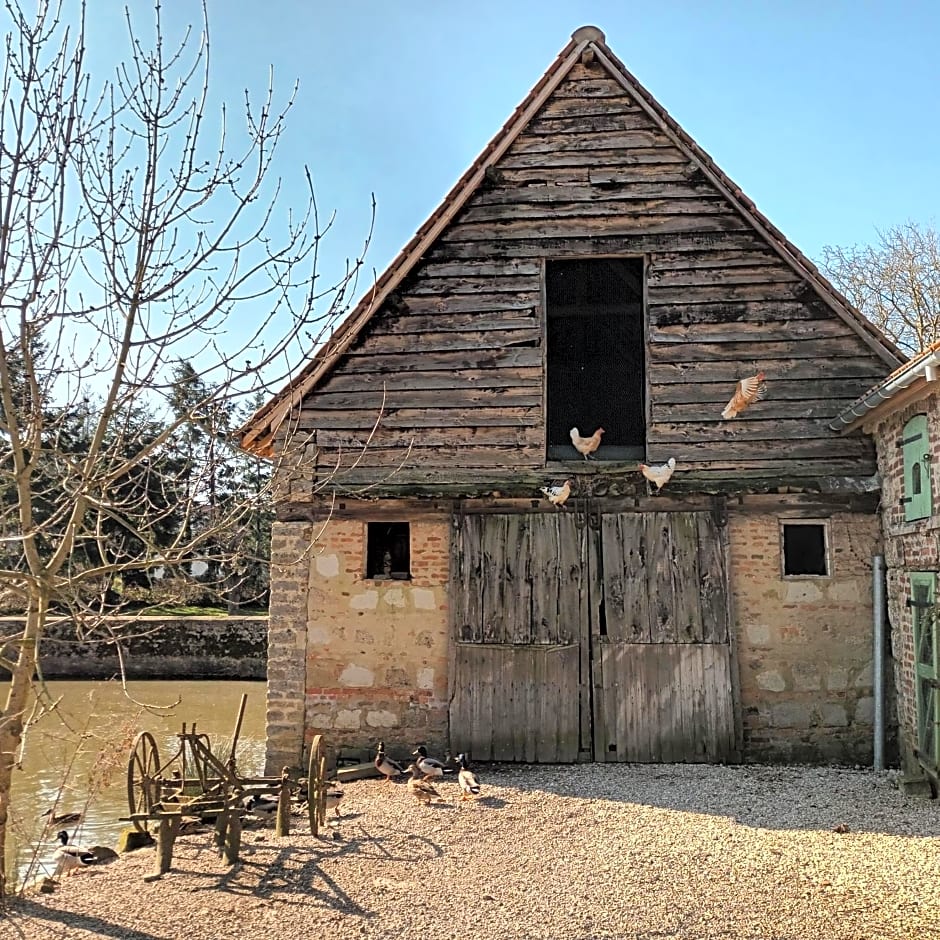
x=447 y=357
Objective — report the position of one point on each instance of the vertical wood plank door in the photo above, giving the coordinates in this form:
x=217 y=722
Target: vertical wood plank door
x=520 y=685
x=660 y=637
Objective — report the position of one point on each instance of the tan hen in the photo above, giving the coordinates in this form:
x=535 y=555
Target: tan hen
x=747 y=392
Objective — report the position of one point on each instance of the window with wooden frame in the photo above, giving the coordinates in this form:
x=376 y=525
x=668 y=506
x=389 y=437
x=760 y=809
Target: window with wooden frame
x=388 y=551
x=926 y=635
x=595 y=356
x=915 y=448
x=804 y=548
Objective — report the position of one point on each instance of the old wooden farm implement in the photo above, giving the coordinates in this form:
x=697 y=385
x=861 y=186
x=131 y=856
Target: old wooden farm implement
x=195 y=783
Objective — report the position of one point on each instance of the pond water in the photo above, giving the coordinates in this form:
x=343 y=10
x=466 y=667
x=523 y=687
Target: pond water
x=77 y=756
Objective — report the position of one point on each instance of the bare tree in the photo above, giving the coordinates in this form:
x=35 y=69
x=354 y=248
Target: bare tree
x=135 y=232
x=895 y=282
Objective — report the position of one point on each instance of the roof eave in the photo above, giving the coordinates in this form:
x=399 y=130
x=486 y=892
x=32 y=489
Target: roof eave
x=875 y=402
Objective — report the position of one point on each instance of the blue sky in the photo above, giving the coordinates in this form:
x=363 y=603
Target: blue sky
x=825 y=113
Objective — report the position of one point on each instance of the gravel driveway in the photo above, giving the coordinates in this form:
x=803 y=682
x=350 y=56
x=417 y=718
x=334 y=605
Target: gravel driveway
x=638 y=851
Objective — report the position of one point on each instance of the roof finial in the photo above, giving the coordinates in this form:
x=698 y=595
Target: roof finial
x=587 y=33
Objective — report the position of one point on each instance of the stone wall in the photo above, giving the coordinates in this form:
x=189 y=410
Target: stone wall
x=365 y=659
x=158 y=648
x=909 y=546
x=805 y=643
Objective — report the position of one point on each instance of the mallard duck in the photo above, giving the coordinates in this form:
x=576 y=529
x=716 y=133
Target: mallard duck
x=468 y=780
x=260 y=805
x=429 y=766
x=423 y=791
x=386 y=766
x=61 y=819
x=69 y=857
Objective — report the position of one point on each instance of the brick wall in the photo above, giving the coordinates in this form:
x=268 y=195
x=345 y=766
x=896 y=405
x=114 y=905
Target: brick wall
x=804 y=644
x=909 y=546
x=365 y=660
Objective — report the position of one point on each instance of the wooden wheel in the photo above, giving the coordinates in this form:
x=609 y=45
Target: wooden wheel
x=316 y=784
x=143 y=783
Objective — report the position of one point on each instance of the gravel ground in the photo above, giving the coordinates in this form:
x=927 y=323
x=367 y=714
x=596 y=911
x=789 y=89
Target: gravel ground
x=583 y=851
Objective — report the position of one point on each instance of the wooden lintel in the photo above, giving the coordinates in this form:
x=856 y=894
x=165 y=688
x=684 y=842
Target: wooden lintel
x=803 y=503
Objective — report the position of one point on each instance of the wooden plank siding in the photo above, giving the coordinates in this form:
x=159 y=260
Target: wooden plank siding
x=458 y=359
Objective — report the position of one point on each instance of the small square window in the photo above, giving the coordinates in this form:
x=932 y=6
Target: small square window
x=388 y=551
x=804 y=549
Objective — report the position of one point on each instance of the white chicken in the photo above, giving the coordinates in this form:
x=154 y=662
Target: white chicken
x=586 y=445
x=746 y=392
x=557 y=495
x=659 y=474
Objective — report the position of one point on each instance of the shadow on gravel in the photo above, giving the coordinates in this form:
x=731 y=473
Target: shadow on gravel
x=101 y=928
x=297 y=875
x=760 y=796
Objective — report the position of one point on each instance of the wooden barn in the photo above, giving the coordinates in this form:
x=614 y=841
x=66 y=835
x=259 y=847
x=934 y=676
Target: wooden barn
x=593 y=268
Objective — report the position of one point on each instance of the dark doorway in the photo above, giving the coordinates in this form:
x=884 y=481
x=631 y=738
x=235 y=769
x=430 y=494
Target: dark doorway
x=595 y=358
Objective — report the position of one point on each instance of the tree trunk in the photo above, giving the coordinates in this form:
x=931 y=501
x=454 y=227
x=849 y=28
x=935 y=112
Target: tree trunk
x=11 y=722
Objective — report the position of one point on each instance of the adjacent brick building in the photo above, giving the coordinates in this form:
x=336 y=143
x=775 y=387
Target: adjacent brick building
x=902 y=413
x=593 y=268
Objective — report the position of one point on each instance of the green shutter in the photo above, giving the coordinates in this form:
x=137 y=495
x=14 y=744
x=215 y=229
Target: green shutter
x=917 y=500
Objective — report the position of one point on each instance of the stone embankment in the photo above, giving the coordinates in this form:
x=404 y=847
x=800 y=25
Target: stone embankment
x=157 y=648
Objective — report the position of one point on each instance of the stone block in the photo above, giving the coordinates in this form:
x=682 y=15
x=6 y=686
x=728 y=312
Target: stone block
x=792 y=715
x=771 y=681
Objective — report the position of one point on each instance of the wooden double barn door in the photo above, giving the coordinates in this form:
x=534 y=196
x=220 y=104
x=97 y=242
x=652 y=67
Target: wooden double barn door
x=592 y=636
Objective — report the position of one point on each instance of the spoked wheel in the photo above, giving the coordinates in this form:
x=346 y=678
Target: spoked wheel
x=143 y=784
x=316 y=784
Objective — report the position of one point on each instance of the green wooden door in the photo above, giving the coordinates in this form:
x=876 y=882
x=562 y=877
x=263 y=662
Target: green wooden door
x=926 y=667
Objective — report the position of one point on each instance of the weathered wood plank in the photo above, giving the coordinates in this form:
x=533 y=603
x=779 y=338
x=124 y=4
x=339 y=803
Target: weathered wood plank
x=606 y=120
x=481 y=359
x=476 y=436
x=382 y=344
x=476 y=283
x=713 y=601
x=615 y=158
x=756 y=427
x=563 y=246
x=669 y=261
x=690 y=313
x=480 y=267
x=707 y=451
x=606 y=204
x=781 y=393
x=621 y=194
x=706 y=293
x=732 y=274
x=626 y=552
x=527 y=377
x=490 y=322
x=471 y=415
x=830 y=348
x=751 y=331
x=590 y=87
x=604 y=225
x=473 y=303
x=690 y=373
x=587 y=107
x=688 y=609
x=430 y=399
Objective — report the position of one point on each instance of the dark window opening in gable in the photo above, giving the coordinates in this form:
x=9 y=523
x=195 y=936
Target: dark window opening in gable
x=804 y=549
x=388 y=551
x=596 y=373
